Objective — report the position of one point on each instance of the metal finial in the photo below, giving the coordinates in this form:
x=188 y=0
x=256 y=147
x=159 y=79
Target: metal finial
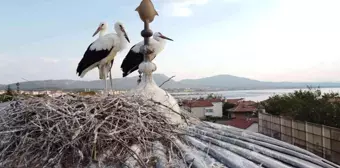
x=146 y=11
x=147 y=14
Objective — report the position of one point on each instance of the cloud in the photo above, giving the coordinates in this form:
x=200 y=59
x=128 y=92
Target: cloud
x=182 y=8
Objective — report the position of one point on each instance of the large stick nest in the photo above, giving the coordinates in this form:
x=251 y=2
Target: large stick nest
x=75 y=131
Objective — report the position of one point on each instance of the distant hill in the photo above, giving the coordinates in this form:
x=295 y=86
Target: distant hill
x=119 y=83
x=234 y=82
x=214 y=82
x=224 y=81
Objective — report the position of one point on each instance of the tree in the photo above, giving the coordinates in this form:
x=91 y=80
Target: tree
x=330 y=95
x=308 y=105
x=9 y=91
x=214 y=96
x=226 y=107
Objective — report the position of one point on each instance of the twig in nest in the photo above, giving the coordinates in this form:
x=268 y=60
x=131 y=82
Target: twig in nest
x=166 y=81
x=72 y=130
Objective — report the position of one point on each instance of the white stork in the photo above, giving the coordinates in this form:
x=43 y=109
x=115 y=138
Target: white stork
x=103 y=51
x=102 y=28
x=135 y=56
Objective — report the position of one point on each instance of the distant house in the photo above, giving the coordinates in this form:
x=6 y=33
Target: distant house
x=243 y=110
x=197 y=108
x=202 y=108
x=216 y=110
x=334 y=100
x=35 y=92
x=234 y=101
x=56 y=93
x=242 y=115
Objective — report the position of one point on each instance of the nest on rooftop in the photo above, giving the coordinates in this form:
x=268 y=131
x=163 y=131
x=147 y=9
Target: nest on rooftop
x=78 y=131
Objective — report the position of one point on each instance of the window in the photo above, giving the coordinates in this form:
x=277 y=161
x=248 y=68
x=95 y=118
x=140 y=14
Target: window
x=209 y=110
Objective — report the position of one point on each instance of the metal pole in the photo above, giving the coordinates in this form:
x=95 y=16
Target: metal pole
x=146 y=33
x=147 y=13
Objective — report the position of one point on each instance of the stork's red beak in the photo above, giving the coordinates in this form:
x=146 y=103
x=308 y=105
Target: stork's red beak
x=98 y=30
x=164 y=37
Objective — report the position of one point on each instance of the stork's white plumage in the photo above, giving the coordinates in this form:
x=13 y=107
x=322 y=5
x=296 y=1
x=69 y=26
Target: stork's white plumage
x=102 y=51
x=102 y=28
x=135 y=55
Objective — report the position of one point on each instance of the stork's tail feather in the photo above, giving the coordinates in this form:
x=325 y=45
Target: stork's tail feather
x=125 y=74
x=79 y=73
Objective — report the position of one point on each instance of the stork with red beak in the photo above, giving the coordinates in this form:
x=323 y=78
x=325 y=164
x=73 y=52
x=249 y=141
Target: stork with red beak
x=102 y=51
x=102 y=28
x=135 y=56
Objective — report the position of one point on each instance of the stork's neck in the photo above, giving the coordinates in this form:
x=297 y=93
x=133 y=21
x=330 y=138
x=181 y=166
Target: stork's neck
x=102 y=33
x=123 y=42
x=160 y=45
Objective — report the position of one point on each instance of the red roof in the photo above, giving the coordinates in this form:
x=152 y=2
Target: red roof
x=234 y=101
x=240 y=123
x=244 y=106
x=215 y=100
x=248 y=102
x=198 y=103
x=335 y=99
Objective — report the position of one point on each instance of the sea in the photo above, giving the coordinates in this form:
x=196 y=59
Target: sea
x=253 y=95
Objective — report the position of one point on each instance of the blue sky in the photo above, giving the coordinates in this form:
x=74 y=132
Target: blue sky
x=272 y=40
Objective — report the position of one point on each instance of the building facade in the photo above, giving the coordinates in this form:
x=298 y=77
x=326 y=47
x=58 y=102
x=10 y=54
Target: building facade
x=203 y=108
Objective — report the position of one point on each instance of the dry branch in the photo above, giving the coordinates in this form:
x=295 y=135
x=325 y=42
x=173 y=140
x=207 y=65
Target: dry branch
x=166 y=81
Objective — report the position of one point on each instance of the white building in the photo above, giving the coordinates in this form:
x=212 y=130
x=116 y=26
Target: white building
x=203 y=108
x=216 y=110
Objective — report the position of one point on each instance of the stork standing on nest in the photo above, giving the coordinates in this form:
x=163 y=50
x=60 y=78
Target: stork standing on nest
x=102 y=52
x=102 y=28
x=135 y=56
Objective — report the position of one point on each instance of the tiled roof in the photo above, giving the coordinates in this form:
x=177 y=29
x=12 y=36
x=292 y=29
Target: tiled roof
x=234 y=101
x=334 y=100
x=240 y=123
x=244 y=106
x=248 y=102
x=201 y=102
x=198 y=103
x=215 y=100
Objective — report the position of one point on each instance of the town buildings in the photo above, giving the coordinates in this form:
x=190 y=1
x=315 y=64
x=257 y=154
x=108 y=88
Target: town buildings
x=202 y=108
x=243 y=115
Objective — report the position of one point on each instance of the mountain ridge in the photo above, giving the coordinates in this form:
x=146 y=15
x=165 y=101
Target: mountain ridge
x=222 y=82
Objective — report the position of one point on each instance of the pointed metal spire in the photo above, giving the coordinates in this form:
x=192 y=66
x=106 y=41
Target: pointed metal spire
x=146 y=11
x=147 y=86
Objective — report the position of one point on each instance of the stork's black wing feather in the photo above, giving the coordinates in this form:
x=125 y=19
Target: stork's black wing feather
x=131 y=62
x=91 y=57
